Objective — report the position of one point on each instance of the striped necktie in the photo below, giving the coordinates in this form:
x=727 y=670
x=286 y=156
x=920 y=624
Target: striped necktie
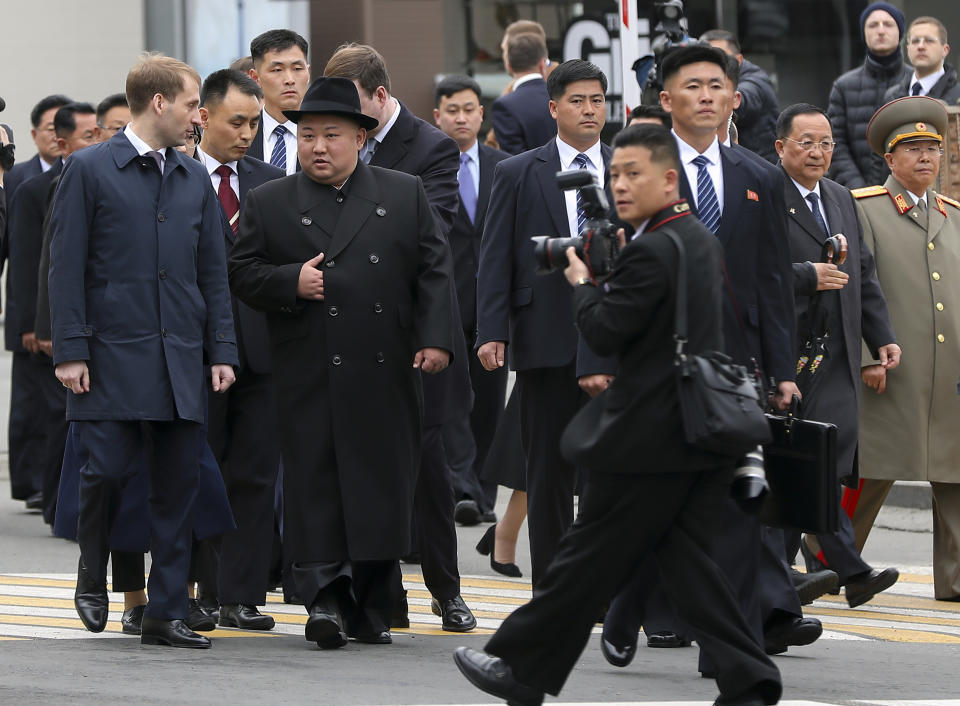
x=279 y=156
x=228 y=198
x=707 y=205
x=814 y=201
x=581 y=160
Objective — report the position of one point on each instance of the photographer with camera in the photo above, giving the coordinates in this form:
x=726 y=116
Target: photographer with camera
x=649 y=493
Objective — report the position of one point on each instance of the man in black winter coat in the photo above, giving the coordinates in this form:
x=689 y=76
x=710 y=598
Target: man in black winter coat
x=926 y=49
x=857 y=94
x=756 y=117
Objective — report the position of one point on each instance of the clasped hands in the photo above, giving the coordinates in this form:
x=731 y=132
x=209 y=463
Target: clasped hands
x=875 y=376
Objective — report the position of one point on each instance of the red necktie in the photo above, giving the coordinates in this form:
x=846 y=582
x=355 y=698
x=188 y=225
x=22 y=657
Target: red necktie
x=228 y=199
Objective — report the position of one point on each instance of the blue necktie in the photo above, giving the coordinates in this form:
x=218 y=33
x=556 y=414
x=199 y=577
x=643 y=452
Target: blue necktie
x=581 y=160
x=917 y=87
x=368 y=150
x=279 y=156
x=468 y=190
x=707 y=205
x=817 y=216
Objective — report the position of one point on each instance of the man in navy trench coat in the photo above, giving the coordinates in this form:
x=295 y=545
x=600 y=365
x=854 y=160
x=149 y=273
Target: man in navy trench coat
x=139 y=301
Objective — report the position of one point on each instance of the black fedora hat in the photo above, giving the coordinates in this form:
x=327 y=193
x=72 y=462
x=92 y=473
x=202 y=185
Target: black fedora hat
x=336 y=96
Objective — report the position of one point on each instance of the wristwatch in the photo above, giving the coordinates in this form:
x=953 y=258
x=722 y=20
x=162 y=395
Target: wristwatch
x=585 y=280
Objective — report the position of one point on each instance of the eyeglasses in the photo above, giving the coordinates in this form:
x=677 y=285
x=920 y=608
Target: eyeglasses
x=916 y=151
x=807 y=145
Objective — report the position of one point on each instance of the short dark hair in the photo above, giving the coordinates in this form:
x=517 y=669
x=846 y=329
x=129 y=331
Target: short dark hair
x=216 y=85
x=721 y=35
x=65 y=121
x=652 y=111
x=58 y=100
x=732 y=70
x=525 y=51
x=679 y=57
x=571 y=71
x=454 y=84
x=115 y=100
x=276 y=40
x=361 y=63
x=656 y=138
x=785 y=120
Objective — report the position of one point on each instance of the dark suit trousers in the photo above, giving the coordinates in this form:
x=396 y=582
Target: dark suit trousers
x=436 y=533
x=549 y=397
x=623 y=519
x=363 y=591
x=26 y=423
x=173 y=452
x=242 y=432
x=54 y=398
x=489 y=398
x=128 y=572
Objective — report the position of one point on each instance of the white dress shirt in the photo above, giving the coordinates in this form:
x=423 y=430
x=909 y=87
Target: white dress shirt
x=383 y=131
x=926 y=83
x=142 y=147
x=213 y=165
x=815 y=190
x=524 y=79
x=714 y=169
x=44 y=165
x=270 y=139
x=595 y=166
x=917 y=199
x=473 y=165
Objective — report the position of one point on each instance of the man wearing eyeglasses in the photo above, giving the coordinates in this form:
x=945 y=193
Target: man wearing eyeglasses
x=927 y=48
x=908 y=420
x=845 y=302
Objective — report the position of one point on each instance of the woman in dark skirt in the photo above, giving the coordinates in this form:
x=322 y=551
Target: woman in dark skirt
x=505 y=465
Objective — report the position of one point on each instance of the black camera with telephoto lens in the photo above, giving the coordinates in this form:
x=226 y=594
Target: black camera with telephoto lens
x=596 y=244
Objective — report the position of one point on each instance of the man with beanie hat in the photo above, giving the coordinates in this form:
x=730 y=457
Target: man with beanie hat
x=857 y=94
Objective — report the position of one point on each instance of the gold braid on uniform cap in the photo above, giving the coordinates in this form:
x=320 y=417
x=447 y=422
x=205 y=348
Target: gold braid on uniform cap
x=908 y=135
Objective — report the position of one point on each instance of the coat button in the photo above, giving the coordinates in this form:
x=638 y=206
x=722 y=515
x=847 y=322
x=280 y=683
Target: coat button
x=374 y=258
x=940 y=337
x=936 y=276
x=380 y=357
x=332 y=263
x=163 y=274
x=161 y=217
x=163 y=332
x=336 y=360
x=930 y=246
x=378 y=307
x=340 y=199
x=939 y=306
x=285 y=309
x=87 y=331
x=333 y=311
x=305 y=221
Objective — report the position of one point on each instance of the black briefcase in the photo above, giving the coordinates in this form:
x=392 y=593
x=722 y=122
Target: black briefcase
x=801 y=468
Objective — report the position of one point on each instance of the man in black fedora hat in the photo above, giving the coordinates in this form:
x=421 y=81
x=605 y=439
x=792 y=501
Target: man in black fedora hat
x=347 y=263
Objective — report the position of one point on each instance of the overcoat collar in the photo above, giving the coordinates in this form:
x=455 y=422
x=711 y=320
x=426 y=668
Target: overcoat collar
x=124 y=152
x=359 y=204
x=904 y=205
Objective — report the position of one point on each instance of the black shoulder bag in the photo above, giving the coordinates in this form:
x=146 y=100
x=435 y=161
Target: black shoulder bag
x=718 y=401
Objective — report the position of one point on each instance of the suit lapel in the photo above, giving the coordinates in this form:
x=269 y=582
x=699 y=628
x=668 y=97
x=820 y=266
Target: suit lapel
x=734 y=193
x=799 y=211
x=256 y=147
x=394 y=147
x=911 y=214
x=546 y=168
x=483 y=191
x=359 y=204
x=936 y=219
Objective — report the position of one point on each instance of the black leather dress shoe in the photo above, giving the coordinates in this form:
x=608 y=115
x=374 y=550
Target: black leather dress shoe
x=467 y=513
x=456 y=616
x=791 y=631
x=325 y=627
x=132 y=619
x=488 y=517
x=666 y=639
x=247 y=617
x=197 y=618
x=401 y=616
x=866 y=586
x=172 y=633
x=35 y=502
x=812 y=585
x=494 y=676
x=617 y=655
x=378 y=638
x=90 y=600
x=814 y=565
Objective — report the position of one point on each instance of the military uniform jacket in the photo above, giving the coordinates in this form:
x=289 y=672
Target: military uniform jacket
x=388 y=274
x=138 y=283
x=909 y=432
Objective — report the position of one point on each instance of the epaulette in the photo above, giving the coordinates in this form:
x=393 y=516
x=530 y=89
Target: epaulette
x=947 y=199
x=866 y=191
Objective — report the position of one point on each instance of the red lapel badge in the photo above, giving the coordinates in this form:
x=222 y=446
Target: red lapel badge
x=752 y=196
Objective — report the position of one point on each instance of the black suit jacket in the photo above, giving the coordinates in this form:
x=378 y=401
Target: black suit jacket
x=253 y=345
x=26 y=248
x=521 y=119
x=753 y=234
x=11 y=182
x=256 y=147
x=635 y=425
x=416 y=147
x=465 y=237
x=530 y=312
x=858 y=311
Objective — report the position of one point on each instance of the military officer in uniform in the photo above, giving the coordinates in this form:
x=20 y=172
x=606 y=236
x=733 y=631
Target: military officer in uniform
x=908 y=418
